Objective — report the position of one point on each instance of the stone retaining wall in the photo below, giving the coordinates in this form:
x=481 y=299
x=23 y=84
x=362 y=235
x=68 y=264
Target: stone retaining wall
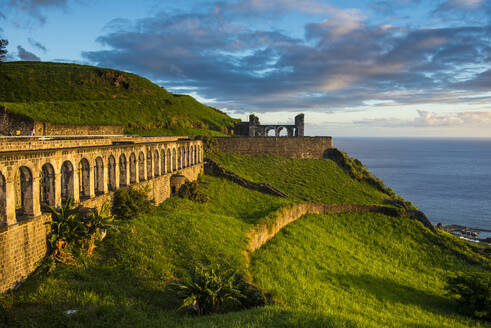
x=291 y=147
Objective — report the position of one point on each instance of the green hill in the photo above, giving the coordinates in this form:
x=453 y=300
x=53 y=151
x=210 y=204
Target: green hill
x=343 y=270
x=86 y=95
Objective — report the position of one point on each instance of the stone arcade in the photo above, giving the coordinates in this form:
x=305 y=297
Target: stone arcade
x=253 y=128
x=47 y=171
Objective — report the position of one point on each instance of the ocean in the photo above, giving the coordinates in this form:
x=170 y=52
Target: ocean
x=448 y=179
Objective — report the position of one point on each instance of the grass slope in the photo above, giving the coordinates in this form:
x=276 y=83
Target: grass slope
x=369 y=270
x=323 y=271
x=84 y=95
x=315 y=180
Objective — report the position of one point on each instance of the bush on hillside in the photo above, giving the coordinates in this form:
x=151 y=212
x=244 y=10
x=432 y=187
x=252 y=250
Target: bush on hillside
x=191 y=191
x=473 y=293
x=217 y=290
x=132 y=202
x=76 y=228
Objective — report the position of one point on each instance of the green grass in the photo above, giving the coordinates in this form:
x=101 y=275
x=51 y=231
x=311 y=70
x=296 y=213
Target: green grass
x=370 y=269
x=315 y=180
x=350 y=270
x=86 y=95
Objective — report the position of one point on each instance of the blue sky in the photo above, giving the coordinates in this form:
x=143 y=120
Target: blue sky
x=355 y=68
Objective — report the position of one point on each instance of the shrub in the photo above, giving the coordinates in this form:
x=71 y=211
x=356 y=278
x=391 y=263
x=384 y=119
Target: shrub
x=472 y=292
x=216 y=290
x=132 y=202
x=191 y=191
x=71 y=227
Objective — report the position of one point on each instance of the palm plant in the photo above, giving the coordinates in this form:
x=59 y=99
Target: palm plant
x=209 y=290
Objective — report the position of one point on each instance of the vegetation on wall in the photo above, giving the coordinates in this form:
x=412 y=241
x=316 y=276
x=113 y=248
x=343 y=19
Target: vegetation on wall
x=86 y=95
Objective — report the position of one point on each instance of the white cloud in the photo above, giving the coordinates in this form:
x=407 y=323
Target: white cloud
x=432 y=119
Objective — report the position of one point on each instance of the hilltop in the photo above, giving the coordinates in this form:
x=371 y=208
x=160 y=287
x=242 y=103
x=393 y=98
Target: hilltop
x=62 y=93
x=331 y=270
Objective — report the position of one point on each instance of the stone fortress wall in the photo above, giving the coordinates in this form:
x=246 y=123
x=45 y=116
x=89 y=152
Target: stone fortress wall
x=291 y=147
x=47 y=173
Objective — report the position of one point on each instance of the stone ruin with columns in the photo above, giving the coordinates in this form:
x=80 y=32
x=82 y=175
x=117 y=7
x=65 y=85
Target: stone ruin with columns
x=254 y=128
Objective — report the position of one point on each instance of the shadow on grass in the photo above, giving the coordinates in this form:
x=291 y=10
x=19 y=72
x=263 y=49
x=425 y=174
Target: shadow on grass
x=387 y=290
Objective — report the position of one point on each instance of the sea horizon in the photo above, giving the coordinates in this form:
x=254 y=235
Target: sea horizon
x=449 y=179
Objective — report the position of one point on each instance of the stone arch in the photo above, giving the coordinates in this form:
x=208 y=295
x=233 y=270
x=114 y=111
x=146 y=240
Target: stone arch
x=122 y=170
x=199 y=154
x=133 y=179
x=24 y=192
x=174 y=160
x=141 y=166
x=149 y=164
x=47 y=187
x=67 y=189
x=3 y=200
x=162 y=162
x=156 y=172
x=169 y=161
x=84 y=178
x=195 y=154
x=111 y=173
x=281 y=131
x=99 y=176
x=268 y=130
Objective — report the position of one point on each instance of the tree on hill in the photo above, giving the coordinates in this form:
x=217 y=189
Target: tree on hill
x=3 y=49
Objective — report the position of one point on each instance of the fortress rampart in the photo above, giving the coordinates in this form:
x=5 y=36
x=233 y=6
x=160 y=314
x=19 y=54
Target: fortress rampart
x=89 y=174
x=291 y=147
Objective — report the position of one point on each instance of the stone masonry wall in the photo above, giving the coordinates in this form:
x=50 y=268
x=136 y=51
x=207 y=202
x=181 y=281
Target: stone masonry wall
x=291 y=147
x=48 y=129
x=23 y=244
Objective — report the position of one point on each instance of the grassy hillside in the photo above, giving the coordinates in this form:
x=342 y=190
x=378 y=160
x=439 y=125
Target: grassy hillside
x=347 y=270
x=77 y=94
x=314 y=180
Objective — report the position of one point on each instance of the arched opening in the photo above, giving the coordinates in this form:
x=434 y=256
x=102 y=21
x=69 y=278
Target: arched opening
x=66 y=181
x=199 y=154
x=141 y=166
x=169 y=161
x=132 y=168
x=24 y=205
x=282 y=132
x=122 y=171
x=183 y=157
x=187 y=157
x=3 y=200
x=84 y=179
x=270 y=132
x=111 y=173
x=195 y=154
x=149 y=165
x=179 y=158
x=99 y=176
x=156 y=172
x=47 y=187
x=174 y=160
x=162 y=162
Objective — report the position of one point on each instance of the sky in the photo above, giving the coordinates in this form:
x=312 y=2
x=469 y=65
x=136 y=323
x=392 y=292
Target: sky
x=381 y=68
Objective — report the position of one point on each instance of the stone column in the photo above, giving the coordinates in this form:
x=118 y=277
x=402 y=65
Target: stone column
x=105 y=177
x=116 y=174
x=36 y=206
x=76 y=182
x=91 y=180
x=58 y=188
x=10 y=199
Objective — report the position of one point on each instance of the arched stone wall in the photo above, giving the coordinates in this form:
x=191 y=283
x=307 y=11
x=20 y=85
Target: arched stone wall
x=111 y=173
x=47 y=187
x=67 y=173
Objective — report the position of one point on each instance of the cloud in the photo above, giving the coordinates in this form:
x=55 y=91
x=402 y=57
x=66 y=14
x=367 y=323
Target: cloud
x=432 y=119
x=342 y=61
x=34 y=8
x=36 y=44
x=23 y=54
